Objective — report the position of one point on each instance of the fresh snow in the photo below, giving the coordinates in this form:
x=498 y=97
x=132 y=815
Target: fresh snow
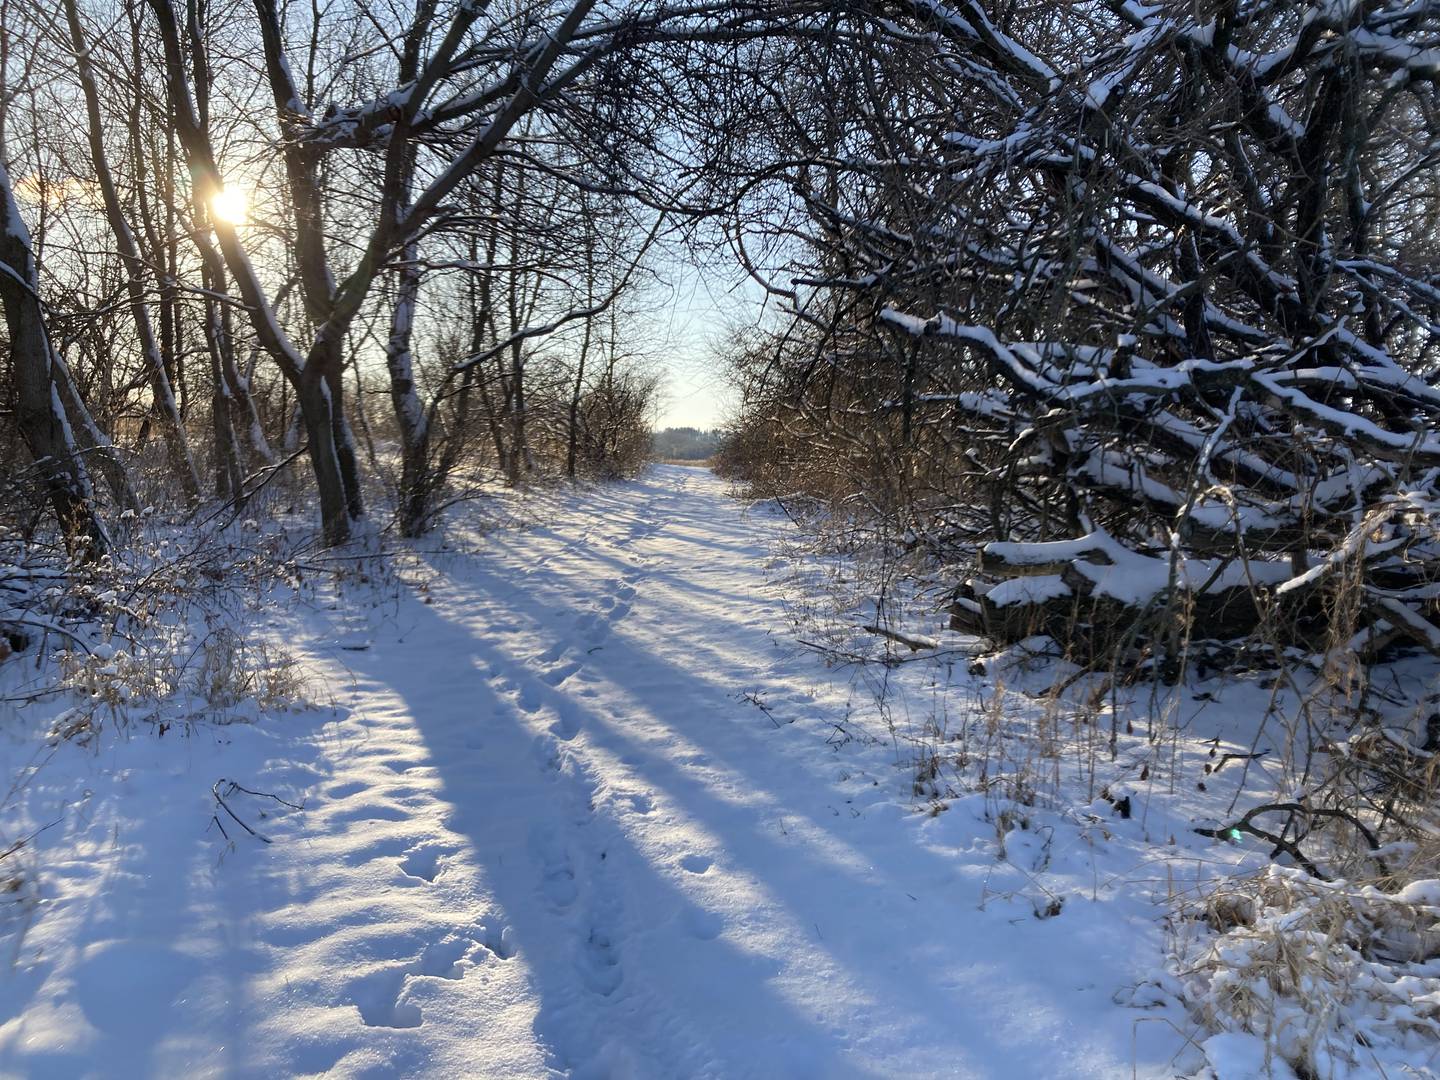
x=583 y=806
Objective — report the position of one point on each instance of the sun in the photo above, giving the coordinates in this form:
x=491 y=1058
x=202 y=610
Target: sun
x=230 y=205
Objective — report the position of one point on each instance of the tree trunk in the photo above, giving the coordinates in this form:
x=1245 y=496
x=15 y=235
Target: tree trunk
x=410 y=417
x=229 y=476
x=341 y=435
x=315 y=376
x=91 y=441
x=39 y=412
x=242 y=402
x=181 y=461
x=313 y=392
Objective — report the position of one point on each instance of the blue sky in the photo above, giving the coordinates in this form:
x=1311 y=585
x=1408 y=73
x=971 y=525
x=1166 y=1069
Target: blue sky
x=705 y=304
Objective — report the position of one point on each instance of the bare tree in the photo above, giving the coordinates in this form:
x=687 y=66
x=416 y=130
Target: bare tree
x=390 y=123
x=164 y=397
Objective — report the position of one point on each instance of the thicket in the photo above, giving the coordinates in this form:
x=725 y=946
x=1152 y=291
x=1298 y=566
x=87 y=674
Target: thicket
x=1113 y=326
x=684 y=443
x=1125 y=313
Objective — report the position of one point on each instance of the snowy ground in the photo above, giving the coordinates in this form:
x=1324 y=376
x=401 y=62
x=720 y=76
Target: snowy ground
x=548 y=830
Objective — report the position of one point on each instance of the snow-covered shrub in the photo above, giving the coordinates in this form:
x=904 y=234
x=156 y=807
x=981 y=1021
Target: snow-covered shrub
x=147 y=635
x=158 y=679
x=1323 y=972
x=232 y=670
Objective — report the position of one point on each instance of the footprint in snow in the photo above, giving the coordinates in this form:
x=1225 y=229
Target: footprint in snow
x=500 y=940
x=696 y=864
x=705 y=925
x=600 y=967
x=567 y=726
x=442 y=960
x=380 y=1000
x=642 y=804
x=546 y=752
x=382 y=997
x=423 y=862
x=557 y=872
x=557 y=675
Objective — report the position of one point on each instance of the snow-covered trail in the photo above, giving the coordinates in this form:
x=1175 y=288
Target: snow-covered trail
x=551 y=837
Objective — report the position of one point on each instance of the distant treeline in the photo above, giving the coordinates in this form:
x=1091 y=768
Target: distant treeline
x=684 y=443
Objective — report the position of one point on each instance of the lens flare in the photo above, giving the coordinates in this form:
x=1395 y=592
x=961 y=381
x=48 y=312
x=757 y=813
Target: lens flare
x=230 y=205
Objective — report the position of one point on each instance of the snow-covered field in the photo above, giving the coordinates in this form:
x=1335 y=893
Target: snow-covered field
x=582 y=806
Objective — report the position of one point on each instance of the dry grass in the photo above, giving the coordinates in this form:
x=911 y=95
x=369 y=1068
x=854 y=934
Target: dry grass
x=1321 y=971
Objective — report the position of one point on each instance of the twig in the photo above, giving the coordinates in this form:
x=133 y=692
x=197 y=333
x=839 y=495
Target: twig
x=264 y=795
x=18 y=844
x=754 y=699
x=230 y=790
x=1291 y=847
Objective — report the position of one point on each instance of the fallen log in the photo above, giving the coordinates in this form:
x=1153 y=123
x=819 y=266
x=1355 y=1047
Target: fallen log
x=1093 y=595
x=915 y=644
